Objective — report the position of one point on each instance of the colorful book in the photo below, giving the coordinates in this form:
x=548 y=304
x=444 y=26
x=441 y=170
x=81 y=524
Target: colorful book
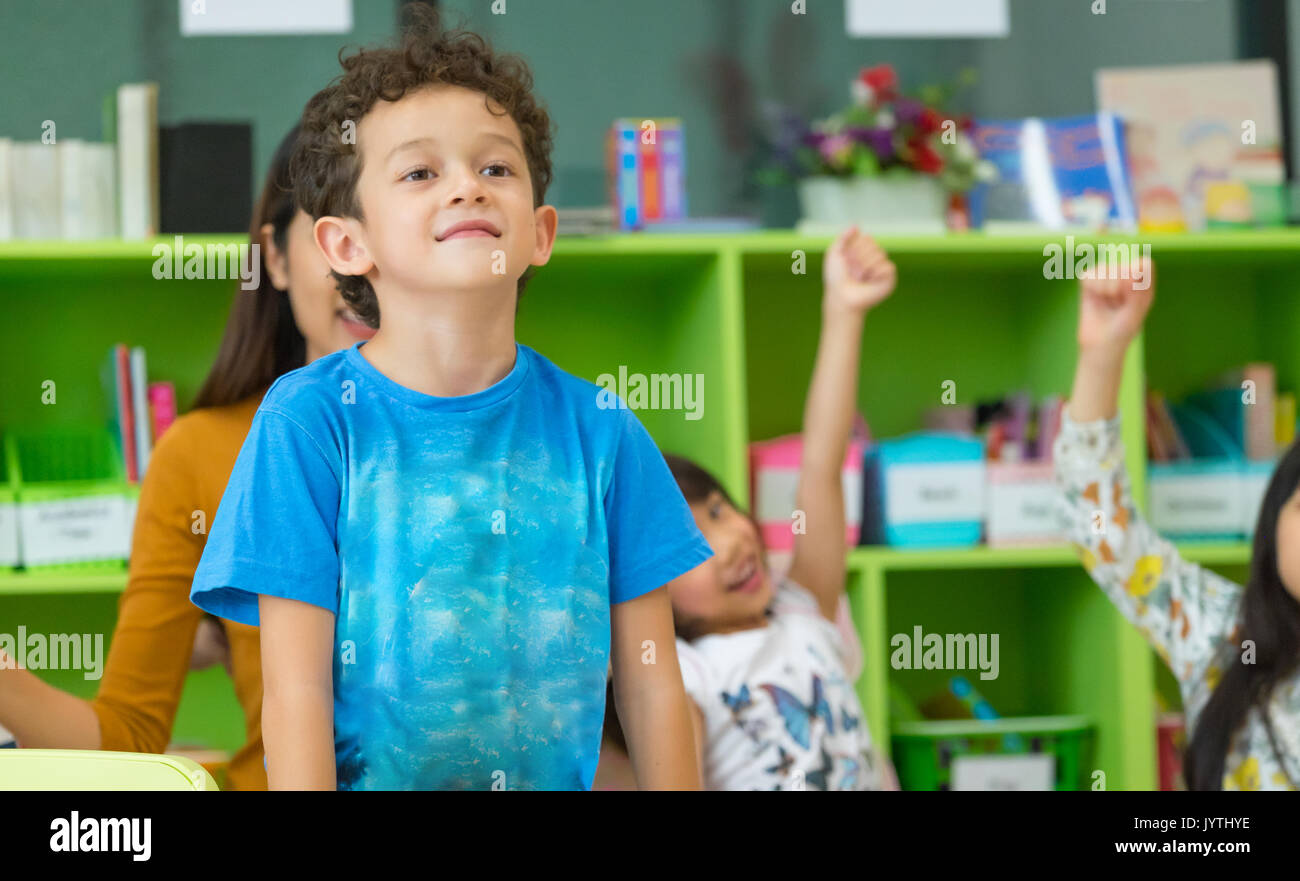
x=162 y=407
x=1204 y=142
x=646 y=180
x=1063 y=173
x=140 y=410
x=1284 y=420
x=116 y=378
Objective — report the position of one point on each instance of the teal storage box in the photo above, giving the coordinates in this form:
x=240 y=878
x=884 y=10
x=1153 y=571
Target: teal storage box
x=925 y=489
x=1207 y=500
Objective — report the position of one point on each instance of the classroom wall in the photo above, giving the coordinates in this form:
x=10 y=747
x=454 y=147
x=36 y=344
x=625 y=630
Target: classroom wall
x=713 y=63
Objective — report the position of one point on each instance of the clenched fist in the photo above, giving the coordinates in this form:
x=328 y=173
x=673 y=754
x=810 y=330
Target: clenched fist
x=857 y=273
x=1111 y=310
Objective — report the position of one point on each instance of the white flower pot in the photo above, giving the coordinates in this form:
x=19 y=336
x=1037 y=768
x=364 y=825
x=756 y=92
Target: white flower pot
x=911 y=204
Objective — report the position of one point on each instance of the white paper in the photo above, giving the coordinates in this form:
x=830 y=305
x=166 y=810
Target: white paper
x=8 y=537
x=934 y=493
x=1018 y=510
x=927 y=18
x=1026 y=773
x=1196 y=503
x=210 y=18
x=74 y=530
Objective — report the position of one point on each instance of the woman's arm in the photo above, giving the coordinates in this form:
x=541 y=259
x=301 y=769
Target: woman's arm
x=857 y=275
x=1183 y=610
x=152 y=641
x=650 y=698
x=297 y=694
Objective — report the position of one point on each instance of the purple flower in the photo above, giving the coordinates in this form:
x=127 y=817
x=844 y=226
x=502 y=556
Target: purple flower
x=879 y=140
x=908 y=111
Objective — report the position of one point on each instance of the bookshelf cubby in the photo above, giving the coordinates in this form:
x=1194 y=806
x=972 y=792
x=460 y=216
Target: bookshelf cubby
x=973 y=309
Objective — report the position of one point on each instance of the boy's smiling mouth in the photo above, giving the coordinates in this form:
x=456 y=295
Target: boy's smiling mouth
x=469 y=229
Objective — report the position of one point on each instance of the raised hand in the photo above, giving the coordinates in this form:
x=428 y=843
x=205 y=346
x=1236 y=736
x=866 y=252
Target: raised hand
x=1111 y=310
x=857 y=273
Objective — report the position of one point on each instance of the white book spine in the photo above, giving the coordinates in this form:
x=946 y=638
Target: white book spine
x=140 y=404
x=6 y=190
x=137 y=159
x=35 y=190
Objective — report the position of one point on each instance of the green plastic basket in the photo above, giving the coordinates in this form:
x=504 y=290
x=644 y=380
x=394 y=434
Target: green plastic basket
x=65 y=464
x=8 y=518
x=924 y=752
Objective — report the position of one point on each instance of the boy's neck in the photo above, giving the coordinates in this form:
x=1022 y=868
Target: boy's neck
x=450 y=348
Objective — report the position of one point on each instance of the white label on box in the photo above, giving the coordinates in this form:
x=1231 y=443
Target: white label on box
x=1027 y=773
x=1023 y=509
x=927 y=493
x=1254 y=484
x=777 y=489
x=1201 y=503
x=8 y=534
x=73 y=530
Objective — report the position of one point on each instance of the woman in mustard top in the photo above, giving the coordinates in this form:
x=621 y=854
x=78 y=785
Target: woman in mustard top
x=295 y=316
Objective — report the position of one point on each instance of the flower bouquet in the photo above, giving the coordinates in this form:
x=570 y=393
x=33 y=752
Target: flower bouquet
x=886 y=162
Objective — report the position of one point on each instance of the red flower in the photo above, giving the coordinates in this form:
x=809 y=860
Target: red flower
x=923 y=157
x=930 y=121
x=881 y=80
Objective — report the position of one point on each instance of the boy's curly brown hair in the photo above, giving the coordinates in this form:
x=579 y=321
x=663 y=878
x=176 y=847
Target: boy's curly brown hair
x=325 y=168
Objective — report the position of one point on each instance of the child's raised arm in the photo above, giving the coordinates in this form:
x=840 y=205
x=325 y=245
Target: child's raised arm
x=857 y=274
x=1183 y=610
x=297 y=694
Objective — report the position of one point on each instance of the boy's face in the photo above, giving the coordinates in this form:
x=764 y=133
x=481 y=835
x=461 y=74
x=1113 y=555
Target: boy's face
x=430 y=161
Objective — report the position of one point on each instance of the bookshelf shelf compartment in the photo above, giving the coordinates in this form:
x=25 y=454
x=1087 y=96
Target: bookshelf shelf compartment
x=972 y=308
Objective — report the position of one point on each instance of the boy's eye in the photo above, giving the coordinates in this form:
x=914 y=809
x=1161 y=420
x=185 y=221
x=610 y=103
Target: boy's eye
x=504 y=168
x=416 y=171
x=715 y=510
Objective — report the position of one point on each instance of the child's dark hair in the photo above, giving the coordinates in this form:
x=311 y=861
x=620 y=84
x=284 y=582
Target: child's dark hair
x=262 y=340
x=695 y=483
x=1270 y=617
x=327 y=165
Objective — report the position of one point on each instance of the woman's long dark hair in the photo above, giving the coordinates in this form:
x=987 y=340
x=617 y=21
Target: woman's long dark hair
x=1270 y=617
x=261 y=341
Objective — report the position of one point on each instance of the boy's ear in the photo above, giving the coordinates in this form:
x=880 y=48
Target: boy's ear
x=340 y=240
x=546 y=222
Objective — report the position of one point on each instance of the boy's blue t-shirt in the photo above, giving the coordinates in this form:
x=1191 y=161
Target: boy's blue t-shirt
x=470 y=548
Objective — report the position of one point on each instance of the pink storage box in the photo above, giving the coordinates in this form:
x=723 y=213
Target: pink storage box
x=774 y=480
x=1022 y=502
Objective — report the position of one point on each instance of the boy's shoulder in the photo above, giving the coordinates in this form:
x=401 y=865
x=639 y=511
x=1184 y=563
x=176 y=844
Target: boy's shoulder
x=590 y=402
x=308 y=394
x=308 y=386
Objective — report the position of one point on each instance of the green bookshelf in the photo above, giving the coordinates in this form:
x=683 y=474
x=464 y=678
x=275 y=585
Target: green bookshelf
x=973 y=309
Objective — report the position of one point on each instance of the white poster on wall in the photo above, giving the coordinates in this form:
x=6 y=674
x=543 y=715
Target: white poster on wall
x=927 y=18
x=222 y=18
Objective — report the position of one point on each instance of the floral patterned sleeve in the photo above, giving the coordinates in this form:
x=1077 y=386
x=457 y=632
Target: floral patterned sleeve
x=1183 y=610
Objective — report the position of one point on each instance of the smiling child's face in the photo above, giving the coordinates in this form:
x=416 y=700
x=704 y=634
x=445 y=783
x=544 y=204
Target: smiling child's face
x=733 y=587
x=434 y=159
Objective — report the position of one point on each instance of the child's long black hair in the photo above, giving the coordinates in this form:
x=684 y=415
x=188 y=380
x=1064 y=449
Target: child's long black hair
x=1270 y=617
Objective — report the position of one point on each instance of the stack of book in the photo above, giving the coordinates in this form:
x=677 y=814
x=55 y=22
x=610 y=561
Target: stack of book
x=1241 y=415
x=139 y=411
